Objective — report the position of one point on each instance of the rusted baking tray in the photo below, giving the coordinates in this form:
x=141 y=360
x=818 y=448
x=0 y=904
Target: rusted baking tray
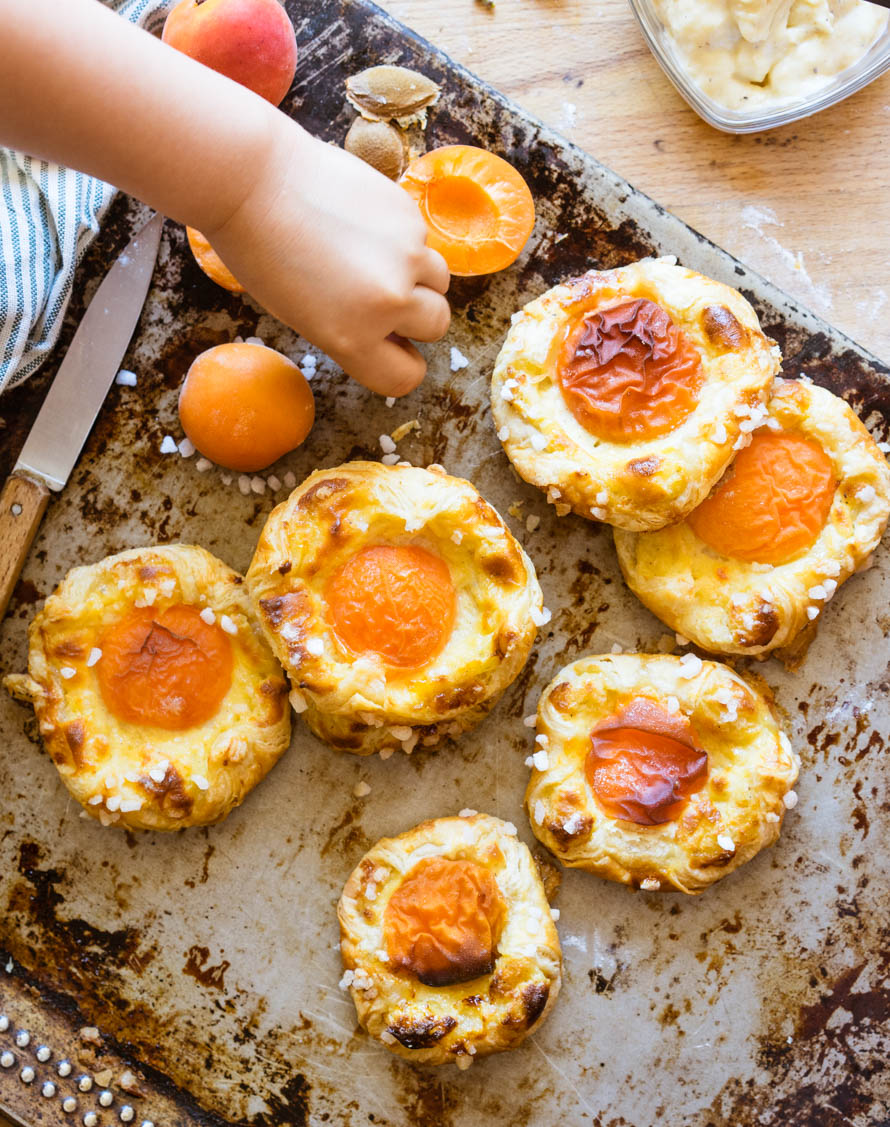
x=205 y=963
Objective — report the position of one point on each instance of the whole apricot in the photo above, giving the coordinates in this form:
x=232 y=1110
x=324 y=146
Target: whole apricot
x=250 y=41
x=244 y=406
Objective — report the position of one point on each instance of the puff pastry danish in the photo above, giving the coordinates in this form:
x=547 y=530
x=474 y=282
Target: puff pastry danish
x=157 y=696
x=398 y=602
x=623 y=393
x=448 y=943
x=798 y=512
x=656 y=771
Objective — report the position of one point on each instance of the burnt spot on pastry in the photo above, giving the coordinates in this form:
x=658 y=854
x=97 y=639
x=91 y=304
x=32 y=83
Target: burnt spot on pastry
x=643 y=467
x=170 y=792
x=504 y=641
x=460 y=696
x=284 y=568
x=722 y=328
x=571 y=822
x=75 y=737
x=759 y=626
x=534 y=999
x=561 y=697
x=321 y=491
x=68 y=648
x=502 y=568
x=148 y=572
x=420 y=1032
x=473 y=1000
x=290 y=607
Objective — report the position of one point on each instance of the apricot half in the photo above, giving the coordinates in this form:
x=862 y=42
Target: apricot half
x=478 y=209
x=249 y=41
x=244 y=405
x=210 y=262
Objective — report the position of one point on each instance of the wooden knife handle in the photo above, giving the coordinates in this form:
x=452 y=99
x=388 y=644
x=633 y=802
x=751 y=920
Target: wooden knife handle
x=22 y=505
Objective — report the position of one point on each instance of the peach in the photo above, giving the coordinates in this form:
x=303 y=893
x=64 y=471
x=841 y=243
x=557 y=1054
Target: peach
x=250 y=41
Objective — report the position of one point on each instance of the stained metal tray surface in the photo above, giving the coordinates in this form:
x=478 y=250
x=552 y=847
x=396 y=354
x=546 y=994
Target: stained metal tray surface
x=208 y=960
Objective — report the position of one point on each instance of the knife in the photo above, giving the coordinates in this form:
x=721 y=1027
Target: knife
x=73 y=401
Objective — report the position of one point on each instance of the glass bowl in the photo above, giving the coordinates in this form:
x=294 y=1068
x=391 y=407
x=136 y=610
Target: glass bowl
x=874 y=63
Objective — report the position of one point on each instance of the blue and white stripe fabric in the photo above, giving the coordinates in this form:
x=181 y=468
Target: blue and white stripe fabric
x=48 y=217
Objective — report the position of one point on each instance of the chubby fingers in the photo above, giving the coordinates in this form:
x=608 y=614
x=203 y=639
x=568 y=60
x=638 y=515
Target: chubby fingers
x=426 y=317
x=393 y=367
x=434 y=271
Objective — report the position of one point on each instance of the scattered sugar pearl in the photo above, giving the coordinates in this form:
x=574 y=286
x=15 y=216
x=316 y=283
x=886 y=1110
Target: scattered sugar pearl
x=273 y=482
x=539 y=811
x=554 y=914
x=830 y=586
x=812 y=612
x=530 y=721
x=67 y=672
x=387 y=752
x=540 y=760
x=817 y=592
x=504 y=434
x=650 y=884
x=690 y=665
x=95 y=800
x=203 y=465
x=93 y=656
x=681 y=640
x=314 y=646
x=540 y=617
x=538 y=441
x=113 y=803
x=510 y=829
x=186 y=448
x=208 y=615
x=672 y=704
x=597 y=513
x=532 y=523
x=125 y=378
x=389 y=459
x=789 y=799
x=390 y=401
x=616 y=648
x=257 y=485
x=458 y=360
x=200 y=782
x=866 y=494
x=467 y=812
x=128 y=805
x=771 y=817
x=725 y=842
x=884 y=447
x=361 y=789
x=290 y=479
x=244 y=484
x=168 y=444
x=157 y=774
x=386 y=444
x=720 y=434
x=227 y=624
x=401 y=731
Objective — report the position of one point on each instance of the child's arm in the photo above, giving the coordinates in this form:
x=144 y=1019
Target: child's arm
x=320 y=239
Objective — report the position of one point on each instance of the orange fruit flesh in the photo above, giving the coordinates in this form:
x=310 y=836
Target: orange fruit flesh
x=167 y=669
x=772 y=504
x=396 y=602
x=643 y=764
x=210 y=262
x=478 y=210
x=443 y=922
x=628 y=372
x=245 y=405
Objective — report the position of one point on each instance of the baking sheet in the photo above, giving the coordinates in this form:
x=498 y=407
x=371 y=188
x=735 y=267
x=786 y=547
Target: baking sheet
x=207 y=960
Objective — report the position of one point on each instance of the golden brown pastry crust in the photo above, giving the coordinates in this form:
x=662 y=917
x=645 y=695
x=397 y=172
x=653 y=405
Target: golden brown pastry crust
x=353 y=702
x=639 y=485
x=735 y=607
x=739 y=810
x=437 y=1024
x=201 y=772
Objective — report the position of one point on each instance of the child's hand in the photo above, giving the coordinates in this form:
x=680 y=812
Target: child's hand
x=336 y=251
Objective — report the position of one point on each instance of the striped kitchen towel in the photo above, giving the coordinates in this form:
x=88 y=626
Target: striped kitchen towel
x=48 y=217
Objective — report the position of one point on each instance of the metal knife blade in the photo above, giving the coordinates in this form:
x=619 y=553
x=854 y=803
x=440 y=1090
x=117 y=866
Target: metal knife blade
x=91 y=362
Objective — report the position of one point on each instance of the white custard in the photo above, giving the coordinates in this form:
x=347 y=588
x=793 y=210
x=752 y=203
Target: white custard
x=746 y=54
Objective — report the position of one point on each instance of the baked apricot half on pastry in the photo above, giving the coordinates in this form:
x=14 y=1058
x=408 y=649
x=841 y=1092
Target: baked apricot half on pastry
x=157 y=696
x=624 y=394
x=801 y=508
x=478 y=210
x=448 y=942
x=398 y=602
x=656 y=771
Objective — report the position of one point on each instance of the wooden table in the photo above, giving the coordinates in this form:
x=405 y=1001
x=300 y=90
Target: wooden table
x=807 y=205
